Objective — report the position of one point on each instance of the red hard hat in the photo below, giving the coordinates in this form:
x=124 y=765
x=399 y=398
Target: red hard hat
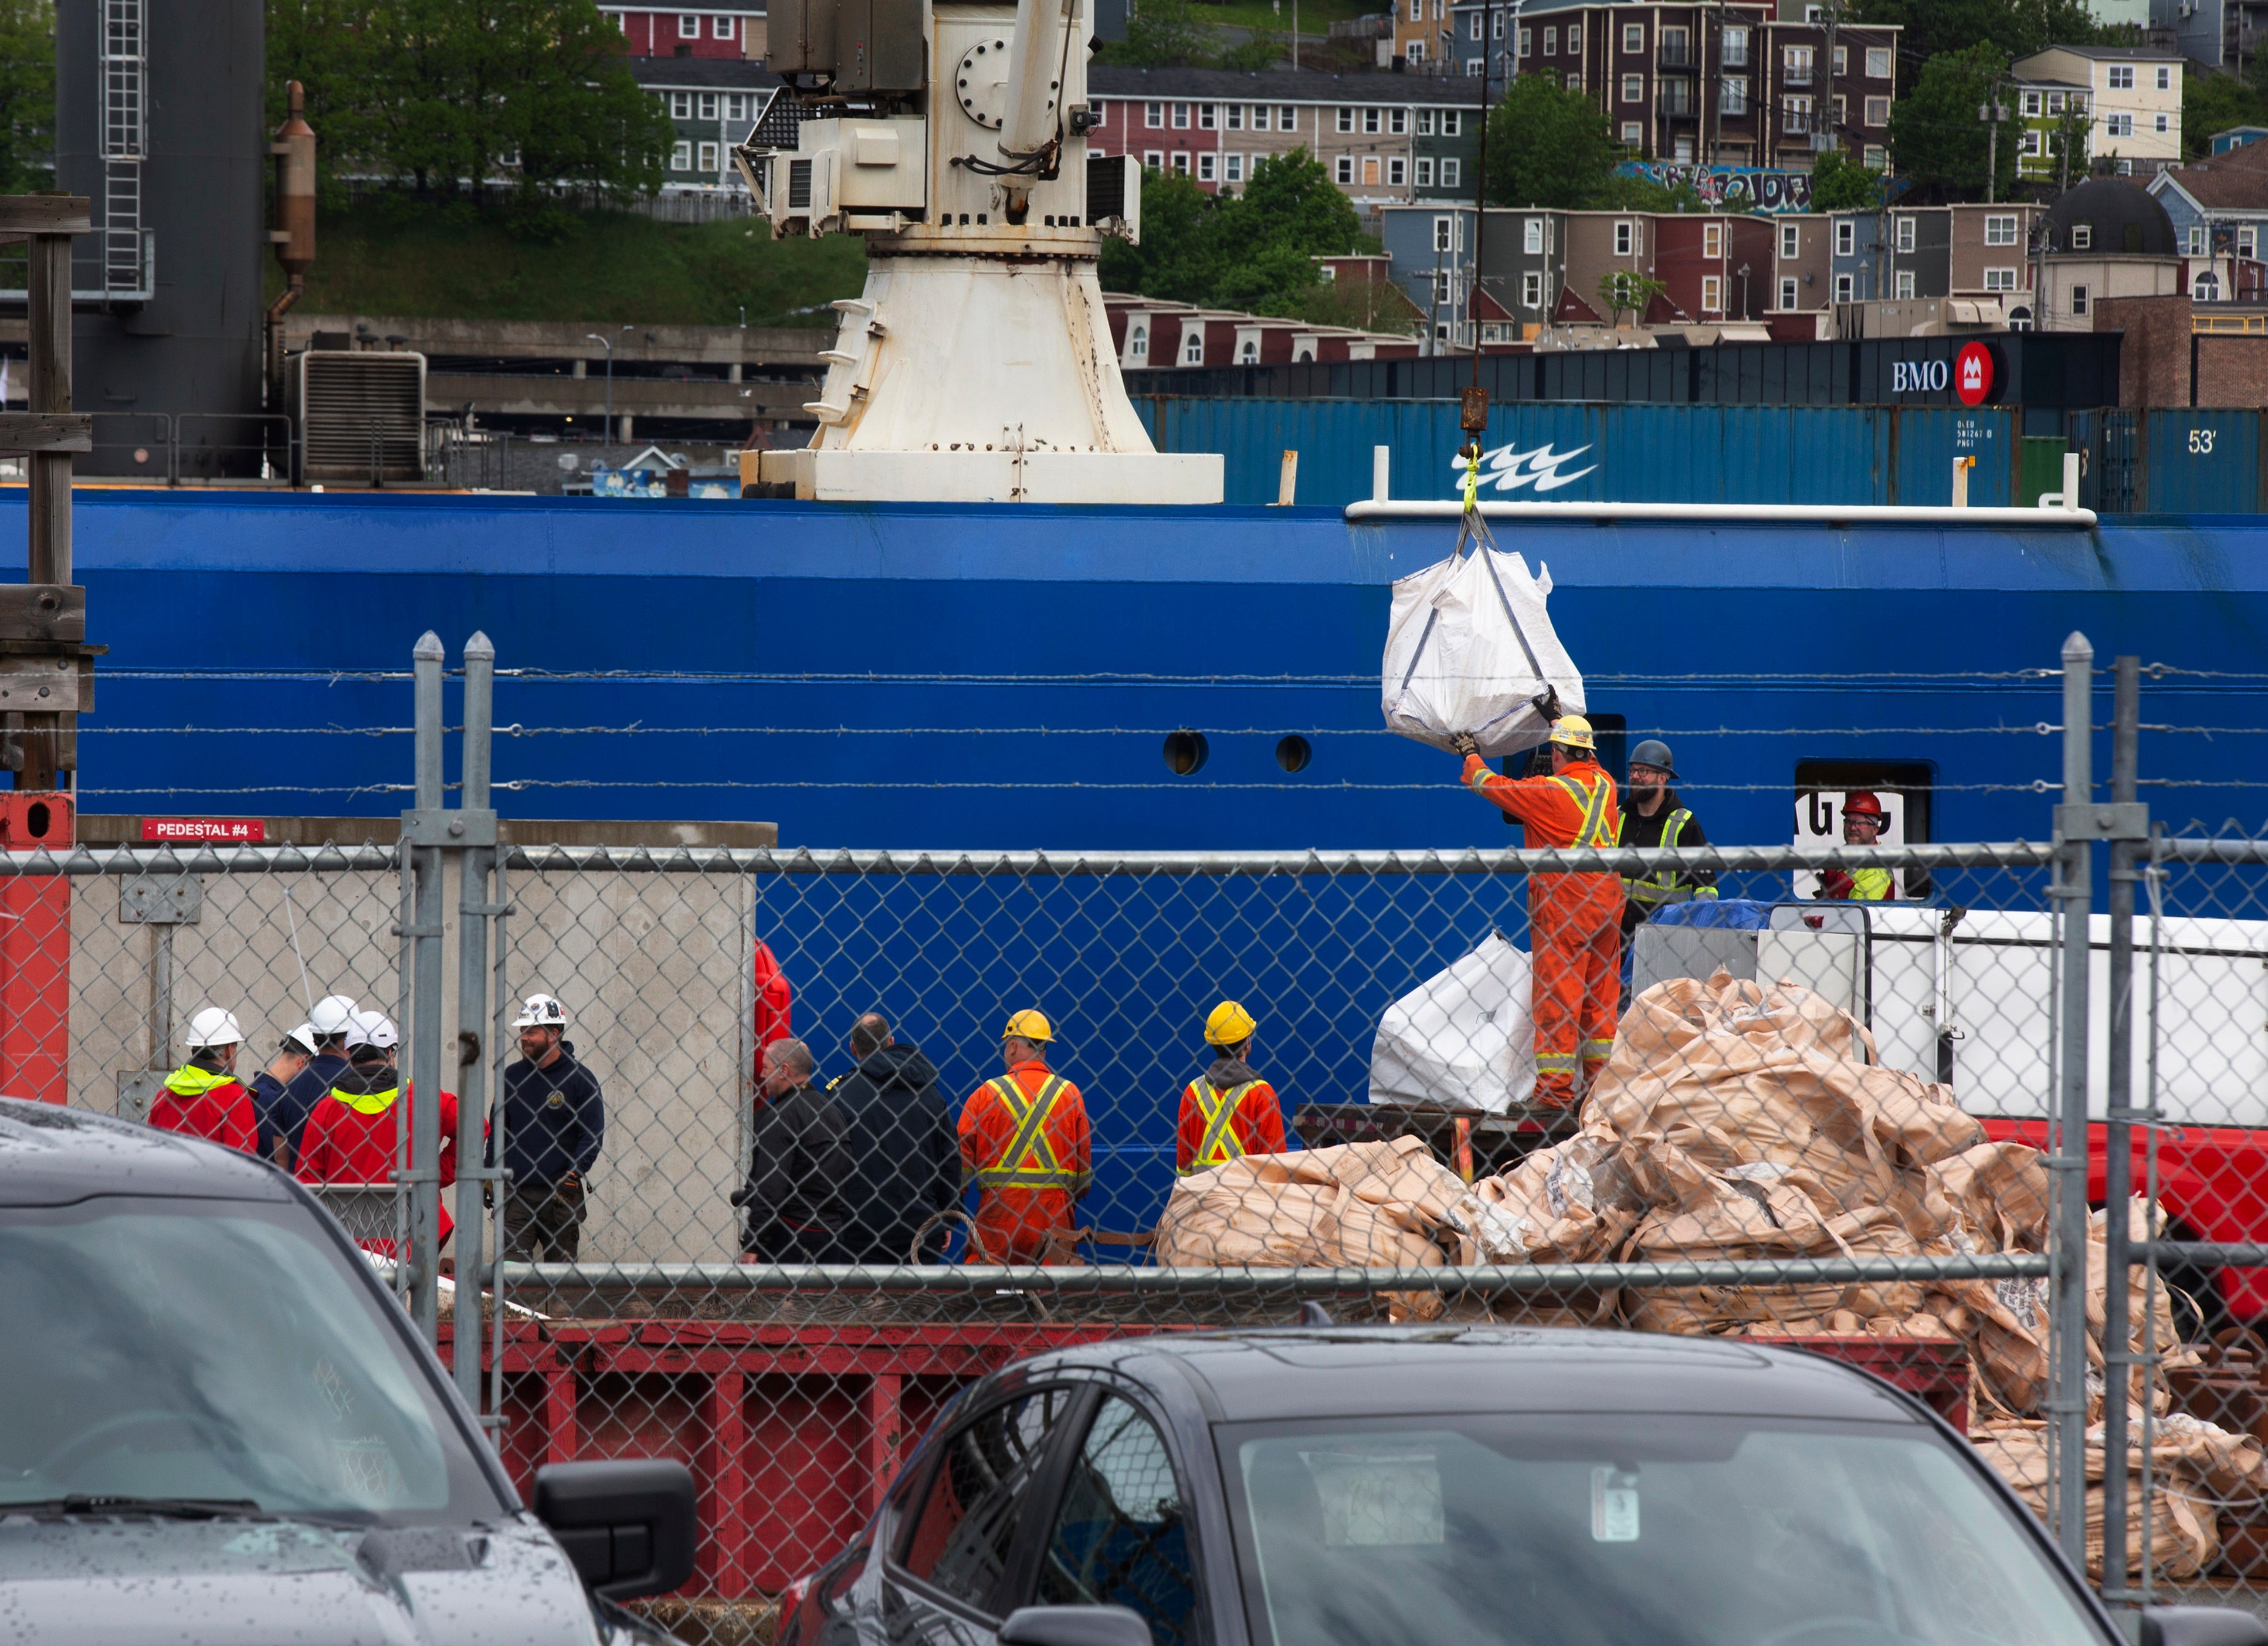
x=1861 y=803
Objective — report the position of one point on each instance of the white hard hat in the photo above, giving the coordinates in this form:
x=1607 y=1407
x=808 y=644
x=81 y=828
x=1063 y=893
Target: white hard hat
x=333 y=1015
x=213 y=1027
x=373 y=1029
x=540 y=1012
x=303 y=1037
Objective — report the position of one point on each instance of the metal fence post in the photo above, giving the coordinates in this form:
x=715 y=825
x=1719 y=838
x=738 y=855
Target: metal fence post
x=2119 y=1359
x=425 y=999
x=472 y=1010
x=2067 y=1312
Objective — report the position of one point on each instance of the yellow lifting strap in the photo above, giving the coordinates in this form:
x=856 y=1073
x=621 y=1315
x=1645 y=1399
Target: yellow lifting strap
x=1030 y=1142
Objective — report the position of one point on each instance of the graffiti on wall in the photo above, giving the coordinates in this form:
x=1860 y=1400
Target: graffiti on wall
x=1738 y=188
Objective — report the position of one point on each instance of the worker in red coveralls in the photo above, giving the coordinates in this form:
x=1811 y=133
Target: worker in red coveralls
x=203 y=1097
x=1574 y=919
x=1228 y=1111
x=351 y=1130
x=1024 y=1142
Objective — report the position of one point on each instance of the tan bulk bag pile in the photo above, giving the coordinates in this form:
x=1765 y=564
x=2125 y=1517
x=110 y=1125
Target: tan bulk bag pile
x=2183 y=1538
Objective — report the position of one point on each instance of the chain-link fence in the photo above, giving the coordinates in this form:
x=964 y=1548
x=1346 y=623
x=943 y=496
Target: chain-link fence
x=829 y=1135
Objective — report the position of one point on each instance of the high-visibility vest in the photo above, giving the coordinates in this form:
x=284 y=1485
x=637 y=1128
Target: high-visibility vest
x=189 y=1080
x=1870 y=885
x=368 y=1103
x=1219 y=1144
x=1029 y=1161
x=1593 y=802
x=1662 y=887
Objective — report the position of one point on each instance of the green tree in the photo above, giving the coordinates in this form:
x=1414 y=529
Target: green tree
x=27 y=95
x=1263 y=51
x=1935 y=135
x=1626 y=289
x=1175 y=258
x=1162 y=34
x=1839 y=183
x=445 y=94
x=1253 y=252
x=2213 y=101
x=1935 y=27
x=1548 y=146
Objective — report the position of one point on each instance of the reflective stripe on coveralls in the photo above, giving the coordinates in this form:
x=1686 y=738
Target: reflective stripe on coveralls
x=1030 y=1142
x=1220 y=1144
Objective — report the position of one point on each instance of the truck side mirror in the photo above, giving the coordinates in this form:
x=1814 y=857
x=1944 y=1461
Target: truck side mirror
x=2201 y=1626
x=1109 y=1625
x=629 y=1525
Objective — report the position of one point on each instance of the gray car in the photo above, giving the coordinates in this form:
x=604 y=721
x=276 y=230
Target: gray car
x=216 y=1425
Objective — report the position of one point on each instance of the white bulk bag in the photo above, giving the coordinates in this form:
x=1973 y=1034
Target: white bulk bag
x=1463 y=1038
x=1468 y=647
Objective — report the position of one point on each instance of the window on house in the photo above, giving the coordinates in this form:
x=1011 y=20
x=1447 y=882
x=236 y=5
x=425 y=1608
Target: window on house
x=1154 y=159
x=1417 y=11
x=1905 y=286
x=2082 y=237
x=2197 y=238
x=2078 y=299
x=1574 y=81
x=1531 y=236
x=1453 y=120
x=1574 y=37
x=1878 y=111
x=1736 y=47
x=1205 y=172
x=1674 y=49
x=1344 y=172
x=1846 y=238
x=1208 y=116
x=1878 y=62
x=1233 y=167
x=1790 y=240
x=1441 y=291
x=1625 y=237
x=1905 y=233
x=1550 y=42
x=2030 y=145
x=1633 y=134
x=2119 y=126
x=2031 y=103
x=2079 y=102
x=1444 y=232
x=1796 y=65
x=1181 y=116
x=1496 y=30
x=1473 y=26
x=1633 y=37
x=709 y=158
x=1796 y=114
x=1712 y=240
x=1416 y=51
x=2001 y=229
x=1787 y=291
x=2122 y=77
x=2165 y=79
x=681 y=156
x=1843 y=288
x=1424 y=171
x=1154 y=114
x=1450 y=169
x=1370 y=119
x=1732 y=94
x=2000 y=279
x=722 y=27
x=1842 y=114
x=1287 y=119
x=1193 y=347
x=2055 y=102
x=680 y=104
x=1397 y=171
x=1875 y=158
x=1712 y=294
x=2247 y=241
x=1527 y=43
x=1346 y=119
x=708 y=104
x=2162 y=123
x=1397 y=121
x=1842 y=60
x=689 y=27
x=1138 y=345
x=1633 y=88
x=1236 y=116
x=1424 y=122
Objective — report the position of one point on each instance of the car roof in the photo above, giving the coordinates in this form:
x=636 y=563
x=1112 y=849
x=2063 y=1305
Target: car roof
x=1367 y=1371
x=51 y=1155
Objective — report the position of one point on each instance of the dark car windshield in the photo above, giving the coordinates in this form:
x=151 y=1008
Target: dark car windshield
x=1606 y=1531
x=214 y=1349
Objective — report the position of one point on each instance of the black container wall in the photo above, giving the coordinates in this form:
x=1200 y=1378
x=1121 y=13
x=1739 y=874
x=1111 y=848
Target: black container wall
x=2065 y=371
x=186 y=359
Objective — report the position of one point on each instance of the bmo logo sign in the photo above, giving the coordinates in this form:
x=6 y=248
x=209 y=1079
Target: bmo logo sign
x=1920 y=377
x=1968 y=375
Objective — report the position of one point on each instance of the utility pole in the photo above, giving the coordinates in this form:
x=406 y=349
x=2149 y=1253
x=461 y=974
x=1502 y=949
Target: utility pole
x=1991 y=112
x=1833 y=11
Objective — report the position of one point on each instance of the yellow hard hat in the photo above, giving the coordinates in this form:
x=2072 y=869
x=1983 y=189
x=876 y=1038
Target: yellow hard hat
x=1028 y=1025
x=1229 y=1024
x=1575 y=732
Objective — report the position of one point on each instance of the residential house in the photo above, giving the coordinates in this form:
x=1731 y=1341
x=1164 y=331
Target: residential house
x=1803 y=283
x=1734 y=84
x=2216 y=34
x=1716 y=267
x=2236 y=137
x=1600 y=244
x=1384 y=139
x=2105 y=239
x=737 y=31
x=2133 y=100
x=1991 y=254
x=1150 y=333
x=711 y=102
x=2218 y=208
x=2051 y=130
x=1421 y=34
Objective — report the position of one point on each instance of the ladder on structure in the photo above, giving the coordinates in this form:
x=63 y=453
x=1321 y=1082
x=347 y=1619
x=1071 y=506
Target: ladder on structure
x=125 y=65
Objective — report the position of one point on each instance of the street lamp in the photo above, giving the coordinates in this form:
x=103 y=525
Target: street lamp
x=609 y=344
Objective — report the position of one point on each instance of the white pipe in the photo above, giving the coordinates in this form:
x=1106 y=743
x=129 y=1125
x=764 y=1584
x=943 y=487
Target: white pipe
x=1034 y=78
x=1382 y=461
x=1767 y=513
x=2070 y=480
x=1961 y=466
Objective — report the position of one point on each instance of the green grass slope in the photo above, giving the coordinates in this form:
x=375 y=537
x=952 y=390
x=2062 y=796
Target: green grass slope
x=398 y=257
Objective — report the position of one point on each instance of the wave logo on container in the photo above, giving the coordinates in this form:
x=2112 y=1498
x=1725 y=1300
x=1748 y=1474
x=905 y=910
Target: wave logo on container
x=1505 y=469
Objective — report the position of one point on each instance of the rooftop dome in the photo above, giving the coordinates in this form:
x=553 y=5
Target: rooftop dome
x=2117 y=217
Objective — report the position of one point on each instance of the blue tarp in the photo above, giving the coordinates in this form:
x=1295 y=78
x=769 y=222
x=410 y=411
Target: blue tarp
x=1737 y=914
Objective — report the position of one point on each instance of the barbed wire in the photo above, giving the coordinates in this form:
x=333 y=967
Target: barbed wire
x=639 y=728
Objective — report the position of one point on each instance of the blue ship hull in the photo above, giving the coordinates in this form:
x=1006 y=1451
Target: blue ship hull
x=972 y=677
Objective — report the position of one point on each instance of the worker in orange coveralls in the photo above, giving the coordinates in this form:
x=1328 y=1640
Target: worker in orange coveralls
x=1574 y=920
x=1024 y=1142
x=351 y=1130
x=203 y=1097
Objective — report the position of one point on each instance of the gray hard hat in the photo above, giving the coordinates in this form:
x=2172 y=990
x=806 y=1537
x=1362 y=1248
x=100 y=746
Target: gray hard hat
x=1653 y=752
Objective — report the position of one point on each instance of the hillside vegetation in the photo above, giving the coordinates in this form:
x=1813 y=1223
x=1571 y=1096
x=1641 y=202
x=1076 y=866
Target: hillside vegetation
x=397 y=257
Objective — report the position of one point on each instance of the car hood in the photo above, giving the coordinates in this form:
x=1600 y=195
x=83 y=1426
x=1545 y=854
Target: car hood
x=138 y=1583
